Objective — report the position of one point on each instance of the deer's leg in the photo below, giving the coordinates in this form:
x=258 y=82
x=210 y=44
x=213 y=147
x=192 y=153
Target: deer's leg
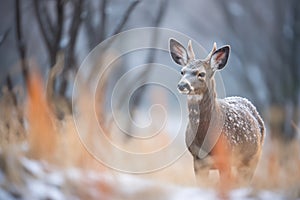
x=246 y=171
x=225 y=173
x=201 y=169
x=245 y=174
x=223 y=162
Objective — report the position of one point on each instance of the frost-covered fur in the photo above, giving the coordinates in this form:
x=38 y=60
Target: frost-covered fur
x=235 y=118
x=243 y=120
x=221 y=133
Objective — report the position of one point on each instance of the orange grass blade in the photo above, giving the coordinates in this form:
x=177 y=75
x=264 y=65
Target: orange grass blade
x=42 y=137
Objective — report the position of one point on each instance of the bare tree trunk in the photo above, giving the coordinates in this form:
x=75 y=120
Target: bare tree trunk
x=20 y=41
x=295 y=65
x=70 y=62
x=103 y=21
x=285 y=73
x=143 y=76
x=101 y=91
x=286 y=128
x=3 y=36
x=125 y=17
x=51 y=32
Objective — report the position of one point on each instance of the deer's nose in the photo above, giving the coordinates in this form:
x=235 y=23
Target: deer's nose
x=184 y=87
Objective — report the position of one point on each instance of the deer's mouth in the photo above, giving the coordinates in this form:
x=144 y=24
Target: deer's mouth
x=183 y=90
x=185 y=87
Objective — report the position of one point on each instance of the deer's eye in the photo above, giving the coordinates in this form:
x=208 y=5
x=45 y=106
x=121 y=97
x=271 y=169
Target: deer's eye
x=201 y=75
x=182 y=73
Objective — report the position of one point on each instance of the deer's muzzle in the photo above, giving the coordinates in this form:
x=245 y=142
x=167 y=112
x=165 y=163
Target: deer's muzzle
x=184 y=86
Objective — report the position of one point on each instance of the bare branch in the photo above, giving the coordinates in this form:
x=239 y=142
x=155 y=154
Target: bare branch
x=48 y=20
x=120 y=26
x=4 y=35
x=238 y=35
x=51 y=38
x=295 y=50
x=20 y=41
x=161 y=12
x=125 y=17
x=90 y=30
x=42 y=24
x=103 y=20
x=143 y=76
x=10 y=89
x=60 y=23
x=53 y=73
x=73 y=32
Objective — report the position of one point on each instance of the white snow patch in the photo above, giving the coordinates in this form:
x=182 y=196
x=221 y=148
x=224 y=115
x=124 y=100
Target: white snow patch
x=48 y=183
x=56 y=178
x=40 y=190
x=35 y=168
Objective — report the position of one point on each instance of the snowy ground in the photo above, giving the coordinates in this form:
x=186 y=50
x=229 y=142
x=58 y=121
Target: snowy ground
x=38 y=180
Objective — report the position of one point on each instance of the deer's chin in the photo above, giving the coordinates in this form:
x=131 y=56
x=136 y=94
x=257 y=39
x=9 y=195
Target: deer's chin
x=195 y=97
x=184 y=91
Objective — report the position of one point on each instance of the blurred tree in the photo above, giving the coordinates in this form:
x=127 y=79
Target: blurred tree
x=274 y=45
x=20 y=42
x=98 y=30
x=59 y=22
x=143 y=76
x=52 y=32
x=264 y=36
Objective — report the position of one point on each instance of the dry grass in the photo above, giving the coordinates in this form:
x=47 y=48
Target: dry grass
x=47 y=139
x=279 y=167
x=42 y=138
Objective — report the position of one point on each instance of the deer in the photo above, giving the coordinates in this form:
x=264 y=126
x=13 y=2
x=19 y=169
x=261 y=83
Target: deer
x=222 y=134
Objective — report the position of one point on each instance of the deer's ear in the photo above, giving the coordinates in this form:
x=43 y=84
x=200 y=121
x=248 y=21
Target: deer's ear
x=178 y=52
x=219 y=58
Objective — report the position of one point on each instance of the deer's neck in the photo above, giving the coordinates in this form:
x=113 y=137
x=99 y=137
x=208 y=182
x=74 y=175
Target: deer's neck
x=202 y=108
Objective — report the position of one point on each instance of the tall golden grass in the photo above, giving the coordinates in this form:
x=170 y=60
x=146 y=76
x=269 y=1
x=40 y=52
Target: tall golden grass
x=56 y=142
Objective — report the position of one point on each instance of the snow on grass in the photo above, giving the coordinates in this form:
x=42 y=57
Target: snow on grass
x=43 y=181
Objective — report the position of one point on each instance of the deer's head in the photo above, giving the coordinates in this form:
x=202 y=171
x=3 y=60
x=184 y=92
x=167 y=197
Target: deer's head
x=197 y=73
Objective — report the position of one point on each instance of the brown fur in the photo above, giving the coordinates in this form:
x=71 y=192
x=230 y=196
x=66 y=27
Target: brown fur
x=221 y=133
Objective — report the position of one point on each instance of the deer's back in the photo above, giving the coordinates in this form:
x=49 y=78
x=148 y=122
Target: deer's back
x=243 y=125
